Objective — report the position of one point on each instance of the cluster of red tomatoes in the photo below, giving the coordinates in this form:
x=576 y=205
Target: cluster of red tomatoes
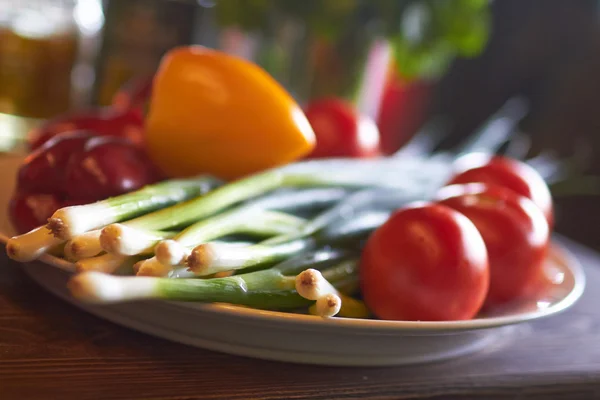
x=480 y=243
x=82 y=157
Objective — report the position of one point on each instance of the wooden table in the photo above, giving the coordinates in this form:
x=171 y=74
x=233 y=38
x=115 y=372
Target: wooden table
x=50 y=350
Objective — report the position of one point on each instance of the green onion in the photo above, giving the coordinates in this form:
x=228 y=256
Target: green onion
x=193 y=210
x=208 y=258
x=31 y=245
x=352 y=173
x=68 y=222
x=253 y=218
x=298 y=200
x=312 y=285
x=120 y=239
x=153 y=267
x=83 y=246
x=107 y=263
x=244 y=220
x=268 y=289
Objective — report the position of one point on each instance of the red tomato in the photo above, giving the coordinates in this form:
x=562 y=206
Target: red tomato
x=512 y=174
x=426 y=263
x=515 y=233
x=104 y=121
x=340 y=131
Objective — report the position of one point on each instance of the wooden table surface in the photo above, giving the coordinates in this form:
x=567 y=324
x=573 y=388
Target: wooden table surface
x=50 y=350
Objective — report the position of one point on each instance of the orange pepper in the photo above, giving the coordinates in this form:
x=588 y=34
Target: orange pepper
x=211 y=112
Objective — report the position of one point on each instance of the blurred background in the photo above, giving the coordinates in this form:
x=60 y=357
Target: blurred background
x=404 y=63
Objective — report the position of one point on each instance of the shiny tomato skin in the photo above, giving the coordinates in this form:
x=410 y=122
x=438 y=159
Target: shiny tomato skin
x=108 y=167
x=102 y=121
x=30 y=210
x=515 y=233
x=43 y=170
x=507 y=172
x=341 y=131
x=427 y=262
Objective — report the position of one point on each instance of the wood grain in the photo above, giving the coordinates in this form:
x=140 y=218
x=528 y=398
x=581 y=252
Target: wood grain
x=50 y=350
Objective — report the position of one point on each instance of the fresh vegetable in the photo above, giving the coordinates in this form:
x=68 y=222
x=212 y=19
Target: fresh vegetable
x=76 y=220
x=269 y=289
x=82 y=246
x=107 y=167
x=74 y=168
x=329 y=301
x=341 y=131
x=252 y=218
x=210 y=258
x=31 y=245
x=43 y=170
x=40 y=187
x=427 y=262
x=510 y=173
x=27 y=211
x=105 y=121
x=336 y=225
x=402 y=111
x=108 y=263
x=143 y=244
x=299 y=200
x=515 y=233
x=253 y=222
x=298 y=176
x=190 y=127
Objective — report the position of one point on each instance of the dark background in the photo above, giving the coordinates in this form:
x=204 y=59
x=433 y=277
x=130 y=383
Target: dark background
x=547 y=51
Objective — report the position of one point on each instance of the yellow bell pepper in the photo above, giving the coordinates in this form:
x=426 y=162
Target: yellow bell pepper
x=211 y=112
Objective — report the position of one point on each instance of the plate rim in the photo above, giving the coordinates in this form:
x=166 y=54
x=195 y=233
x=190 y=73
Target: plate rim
x=556 y=250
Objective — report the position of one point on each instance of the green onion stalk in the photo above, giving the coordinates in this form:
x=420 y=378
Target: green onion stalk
x=273 y=289
x=254 y=222
x=68 y=222
x=83 y=246
x=249 y=221
x=304 y=174
x=345 y=224
x=109 y=264
x=122 y=240
x=329 y=301
x=342 y=173
x=255 y=218
x=31 y=245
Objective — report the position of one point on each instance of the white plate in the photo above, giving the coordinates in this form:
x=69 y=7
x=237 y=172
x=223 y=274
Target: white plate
x=303 y=338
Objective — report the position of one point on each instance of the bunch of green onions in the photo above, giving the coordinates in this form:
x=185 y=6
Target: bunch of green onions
x=246 y=242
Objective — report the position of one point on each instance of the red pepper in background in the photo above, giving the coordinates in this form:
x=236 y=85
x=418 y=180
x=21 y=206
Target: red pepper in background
x=402 y=111
x=134 y=95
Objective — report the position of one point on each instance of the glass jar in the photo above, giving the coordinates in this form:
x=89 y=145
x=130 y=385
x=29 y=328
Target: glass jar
x=38 y=48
